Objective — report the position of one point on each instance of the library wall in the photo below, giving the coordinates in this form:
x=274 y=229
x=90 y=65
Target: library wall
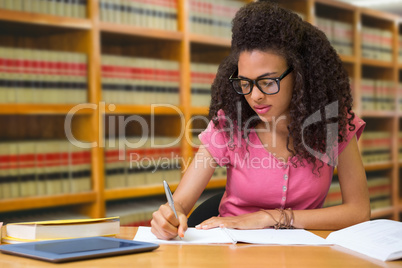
x=114 y=64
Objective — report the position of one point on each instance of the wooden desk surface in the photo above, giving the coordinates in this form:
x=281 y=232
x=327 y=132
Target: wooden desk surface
x=221 y=256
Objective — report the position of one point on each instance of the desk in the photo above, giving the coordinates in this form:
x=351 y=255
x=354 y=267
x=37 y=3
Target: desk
x=220 y=256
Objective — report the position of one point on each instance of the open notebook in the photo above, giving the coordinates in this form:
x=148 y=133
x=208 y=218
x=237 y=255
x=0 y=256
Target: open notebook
x=380 y=239
x=224 y=235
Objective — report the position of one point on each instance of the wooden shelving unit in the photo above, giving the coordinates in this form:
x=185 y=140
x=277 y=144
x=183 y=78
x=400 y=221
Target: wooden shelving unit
x=94 y=37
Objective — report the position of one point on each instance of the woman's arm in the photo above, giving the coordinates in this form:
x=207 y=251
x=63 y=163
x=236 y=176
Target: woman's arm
x=355 y=207
x=195 y=179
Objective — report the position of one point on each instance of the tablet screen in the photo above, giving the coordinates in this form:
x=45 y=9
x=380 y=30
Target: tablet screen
x=76 y=249
x=72 y=246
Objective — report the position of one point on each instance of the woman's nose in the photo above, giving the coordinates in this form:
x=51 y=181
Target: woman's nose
x=256 y=93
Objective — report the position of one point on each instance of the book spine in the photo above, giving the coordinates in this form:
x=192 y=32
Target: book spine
x=202 y=76
x=68 y=8
x=41 y=76
x=376 y=147
x=140 y=80
x=5 y=167
x=27 y=168
x=14 y=179
x=80 y=169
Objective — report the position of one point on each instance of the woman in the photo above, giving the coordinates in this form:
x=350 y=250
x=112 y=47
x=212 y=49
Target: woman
x=282 y=119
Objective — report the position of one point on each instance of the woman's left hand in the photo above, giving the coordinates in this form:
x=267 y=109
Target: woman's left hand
x=256 y=220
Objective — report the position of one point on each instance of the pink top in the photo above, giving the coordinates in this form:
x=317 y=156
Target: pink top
x=258 y=180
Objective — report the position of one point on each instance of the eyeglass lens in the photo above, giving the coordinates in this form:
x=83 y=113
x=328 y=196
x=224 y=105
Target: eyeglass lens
x=268 y=86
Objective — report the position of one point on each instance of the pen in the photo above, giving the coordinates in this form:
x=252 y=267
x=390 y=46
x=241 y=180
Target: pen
x=169 y=198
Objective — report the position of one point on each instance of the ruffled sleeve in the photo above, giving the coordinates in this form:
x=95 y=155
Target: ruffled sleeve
x=358 y=130
x=216 y=142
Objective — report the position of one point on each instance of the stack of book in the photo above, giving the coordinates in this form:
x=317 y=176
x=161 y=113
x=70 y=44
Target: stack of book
x=376 y=43
x=37 y=168
x=376 y=147
x=202 y=76
x=213 y=17
x=339 y=33
x=140 y=81
x=158 y=14
x=41 y=76
x=135 y=165
x=66 y=8
x=60 y=229
x=377 y=95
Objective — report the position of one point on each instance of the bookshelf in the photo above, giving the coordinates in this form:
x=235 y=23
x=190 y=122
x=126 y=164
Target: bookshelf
x=95 y=36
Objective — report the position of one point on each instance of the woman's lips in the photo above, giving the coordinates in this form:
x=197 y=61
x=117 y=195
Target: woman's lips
x=259 y=109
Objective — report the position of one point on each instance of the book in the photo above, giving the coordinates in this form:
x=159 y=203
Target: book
x=380 y=239
x=69 y=8
x=63 y=229
x=42 y=76
x=225 y=236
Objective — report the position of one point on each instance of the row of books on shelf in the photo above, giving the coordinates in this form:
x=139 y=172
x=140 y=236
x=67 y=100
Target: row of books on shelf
x=379 y=188
x=376 y=43
x=140 y=81
x=377 y=95
x=376 y=146
x=158 y=14
x=39 y=168
x=133 y=166
x=42 y=76
x=339 y=33
x=213 y=17
x=156 y=160
x=66 y=8
x=202 y=76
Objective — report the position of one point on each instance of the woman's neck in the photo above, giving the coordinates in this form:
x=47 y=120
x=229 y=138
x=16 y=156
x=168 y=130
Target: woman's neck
x=278 y=127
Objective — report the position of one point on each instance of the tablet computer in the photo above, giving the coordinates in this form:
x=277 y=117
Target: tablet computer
x=77 y=248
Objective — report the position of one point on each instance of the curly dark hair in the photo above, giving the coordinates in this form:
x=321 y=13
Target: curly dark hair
x=320 y=78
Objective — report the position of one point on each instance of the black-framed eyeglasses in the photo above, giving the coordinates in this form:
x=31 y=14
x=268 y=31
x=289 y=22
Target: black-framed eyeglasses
x=269 y=86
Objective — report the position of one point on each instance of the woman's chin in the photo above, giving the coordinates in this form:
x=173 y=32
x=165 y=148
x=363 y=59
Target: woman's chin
x=265 y=118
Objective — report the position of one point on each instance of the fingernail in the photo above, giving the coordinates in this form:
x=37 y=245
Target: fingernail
x=198 y=226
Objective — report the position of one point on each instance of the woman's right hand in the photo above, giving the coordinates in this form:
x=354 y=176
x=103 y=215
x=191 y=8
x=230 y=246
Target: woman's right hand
x=165 y=225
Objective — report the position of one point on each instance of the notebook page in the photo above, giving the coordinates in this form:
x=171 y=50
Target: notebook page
x=380 y=239
x=278 y=237
x=191 y=236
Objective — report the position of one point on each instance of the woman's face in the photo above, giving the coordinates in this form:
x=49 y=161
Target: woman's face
x=258 y=64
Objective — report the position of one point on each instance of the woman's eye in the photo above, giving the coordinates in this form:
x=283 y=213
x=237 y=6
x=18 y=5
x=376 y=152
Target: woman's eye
x=266 y=83
x=244 y=85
